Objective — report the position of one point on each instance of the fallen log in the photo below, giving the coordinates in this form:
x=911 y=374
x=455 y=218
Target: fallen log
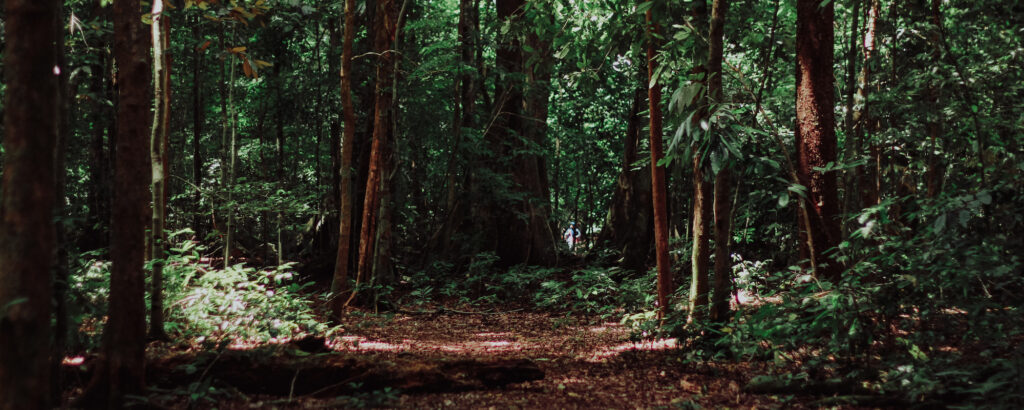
x=332 y=374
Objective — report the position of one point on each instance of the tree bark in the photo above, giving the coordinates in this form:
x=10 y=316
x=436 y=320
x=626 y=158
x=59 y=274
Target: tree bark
x=815 y=132
x=384 y=35
x=27 y=233
x=198 y=120
x=703 y=202
x=629 y=225
x=340 y=285
x=158 y=158
x=122 y=368
x=863 y=124
x=723 y=181
x=527 y=237
x=658 y=194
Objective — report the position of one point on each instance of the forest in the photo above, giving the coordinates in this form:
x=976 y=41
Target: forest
x=512 y=204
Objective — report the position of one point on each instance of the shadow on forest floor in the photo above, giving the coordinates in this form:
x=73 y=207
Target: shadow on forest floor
x=504 y=360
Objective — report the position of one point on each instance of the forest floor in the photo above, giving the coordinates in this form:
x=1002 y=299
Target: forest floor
x=378 y=361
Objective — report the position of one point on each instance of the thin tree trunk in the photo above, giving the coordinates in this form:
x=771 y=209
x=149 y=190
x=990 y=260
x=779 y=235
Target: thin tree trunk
x=61 y=270
x=198 y=119
x=122 y=367
x=935 y=173
x=850 y=181
x=340 y=285
x=385 y=31
x=703 y=202
x=158 y=158
x=723 y=191
x=665 y=287
x=27 y=233
x=228 y=166
x=863 y=124
x=815 y=132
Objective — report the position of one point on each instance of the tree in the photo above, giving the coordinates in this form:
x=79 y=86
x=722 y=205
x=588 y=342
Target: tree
x=385 y=30
x=815 y=133
x=628 y=226
x=703 y=191
x=158 y=158
x=341 y=263
x=723 y=180
x=27 y=233
x=521 y=212
x=658 y=194
x=122 y=367
x=863 y=125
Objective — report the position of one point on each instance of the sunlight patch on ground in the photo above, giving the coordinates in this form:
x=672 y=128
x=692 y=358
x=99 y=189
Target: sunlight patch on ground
x=606 y=327
x=647 y=345
x=362 y=344
x=493 y=334
x=73 y=360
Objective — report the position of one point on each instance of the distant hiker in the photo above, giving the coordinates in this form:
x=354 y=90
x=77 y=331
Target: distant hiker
x=571 y=235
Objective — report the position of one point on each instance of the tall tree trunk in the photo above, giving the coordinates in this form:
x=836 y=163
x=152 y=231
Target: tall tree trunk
x=334 y=202
x=122 y=367
x=629 y=225
x=665 y=286
x=97 y=234
x=228 y=166
x=723 y=181
x=158 y=157
x=198 y=120
x=815 y=132
x=61 y=269
x=850 y=176
x=863 y=124
x=385 y=29
x=27 y=233
x=341 y=264
x=703 y=202
x=935 y=173
x=526 y=237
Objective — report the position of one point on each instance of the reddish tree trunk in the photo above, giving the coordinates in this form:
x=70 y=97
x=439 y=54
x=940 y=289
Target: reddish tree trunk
x=658 y=194
x=815 y=131
x=27 y=233
x=341 y=265
x=385 y=30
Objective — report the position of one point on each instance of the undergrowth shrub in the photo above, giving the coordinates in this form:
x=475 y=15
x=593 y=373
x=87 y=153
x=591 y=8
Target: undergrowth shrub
x=204 y=303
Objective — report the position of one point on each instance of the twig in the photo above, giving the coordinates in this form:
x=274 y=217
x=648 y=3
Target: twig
x=291 y=390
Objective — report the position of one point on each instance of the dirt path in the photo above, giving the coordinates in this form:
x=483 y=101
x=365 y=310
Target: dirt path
x=588 y=363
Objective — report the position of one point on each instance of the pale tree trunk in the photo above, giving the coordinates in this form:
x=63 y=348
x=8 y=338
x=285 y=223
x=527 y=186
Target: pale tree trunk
x=158 y=159
x=665 y=286
x=815 y=133
x=723 y=181
x=863 y=124
x=703 y=202
x=122 y=367
x=341 y=265
x=27 y=233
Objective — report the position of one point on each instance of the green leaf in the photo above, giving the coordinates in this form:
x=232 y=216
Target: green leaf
x=940 y=223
